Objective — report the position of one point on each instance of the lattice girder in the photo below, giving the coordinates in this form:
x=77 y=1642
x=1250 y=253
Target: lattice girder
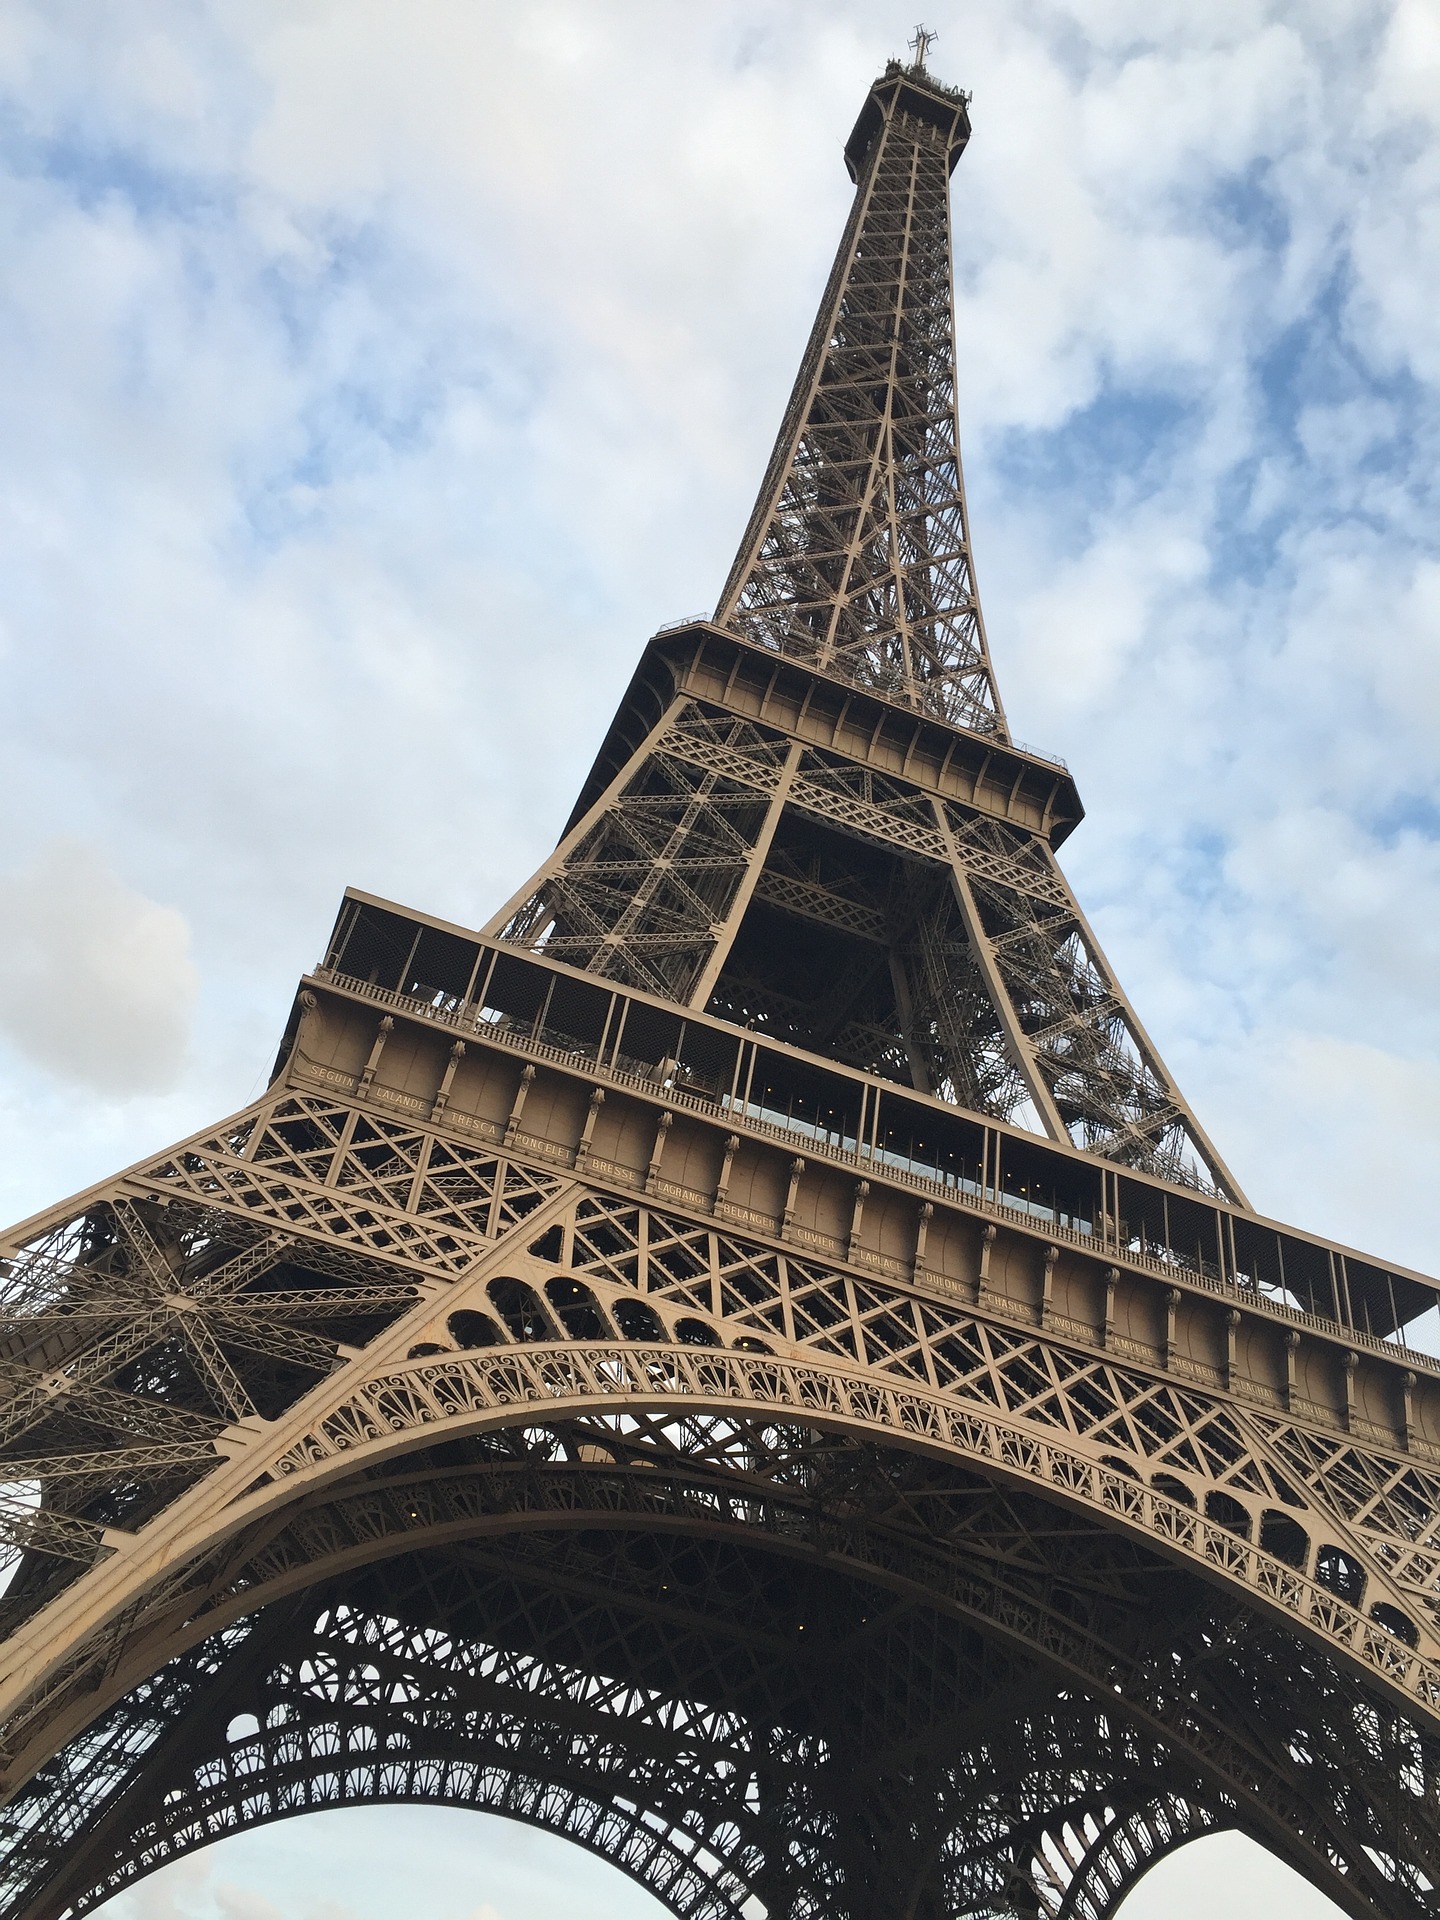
x=996 y=1780
x=382 y=1697
x=993 y=991
x=872 y=1360
x=858 y=556
x=750 y=1297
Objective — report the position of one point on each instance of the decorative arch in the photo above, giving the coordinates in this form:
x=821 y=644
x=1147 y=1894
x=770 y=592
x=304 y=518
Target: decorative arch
x=448 y=1427
x=590 y=1521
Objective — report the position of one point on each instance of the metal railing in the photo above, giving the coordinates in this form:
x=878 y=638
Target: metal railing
x=1014 y=1211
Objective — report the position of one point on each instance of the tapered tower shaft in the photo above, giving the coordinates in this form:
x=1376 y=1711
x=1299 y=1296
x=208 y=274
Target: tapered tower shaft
x=808 y=817
x=857 y=556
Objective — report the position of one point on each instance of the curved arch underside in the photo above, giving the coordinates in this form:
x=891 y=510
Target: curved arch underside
x=949 y=1620
x=759 y=1666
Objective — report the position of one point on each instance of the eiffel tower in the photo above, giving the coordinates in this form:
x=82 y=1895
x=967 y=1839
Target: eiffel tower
x=748 y=1362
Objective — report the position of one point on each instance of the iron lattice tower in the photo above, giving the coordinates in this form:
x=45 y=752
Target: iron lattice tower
x=749 y=1361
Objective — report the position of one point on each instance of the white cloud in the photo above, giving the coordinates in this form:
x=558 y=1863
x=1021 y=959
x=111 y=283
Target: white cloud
x=96 y=982
x=240 y=1903
x=1184 y=1885
x=371 y=1863
x=178 y=1893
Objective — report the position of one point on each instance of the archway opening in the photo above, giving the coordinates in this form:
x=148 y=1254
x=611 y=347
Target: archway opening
x=1229 y=1873
x=373 y=1863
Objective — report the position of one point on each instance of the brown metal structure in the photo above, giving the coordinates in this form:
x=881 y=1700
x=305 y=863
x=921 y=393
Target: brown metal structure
x=748 y=1361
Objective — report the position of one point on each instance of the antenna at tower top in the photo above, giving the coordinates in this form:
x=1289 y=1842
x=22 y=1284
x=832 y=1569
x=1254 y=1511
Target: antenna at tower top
x=924 y=38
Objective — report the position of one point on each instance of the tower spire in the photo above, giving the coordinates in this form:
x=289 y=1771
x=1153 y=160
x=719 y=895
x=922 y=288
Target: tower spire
x=857 y=555
x=920 y=44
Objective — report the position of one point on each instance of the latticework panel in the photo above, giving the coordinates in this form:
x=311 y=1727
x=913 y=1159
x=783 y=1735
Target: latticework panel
x=642 y=895
x=1110 y=1090
x=858 y=557
x=956 y=1028
x=1084 y=1865
x=212 y=1289
x=147 y=1328
x=1277 y=1485
x=630 y=1631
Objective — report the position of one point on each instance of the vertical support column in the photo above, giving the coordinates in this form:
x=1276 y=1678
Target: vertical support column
x=1172 y=1304
x=662 y=1134
x=987 y=1244
x=1335 y=1289
x=734 y=1094
x=1017 y=1045
x=1292 y=1347
x=905 y=1009
x=1047 y=1286
x=474 y=995
x=787 y=1219
x=1107 y=1328
x=1232 y=1333
x=1348 y=1366
x=522 y=1092
x=625 y=1005
x=722 y=1185
x=447 y=1080
x=1109 y=1208
x=1344 y=1273
x=857 y=1214
x=587 y=1132
x=1407 y=1408
x=382 y=1034
x=923 y=1218
x=305 y=1027
x=724 y=934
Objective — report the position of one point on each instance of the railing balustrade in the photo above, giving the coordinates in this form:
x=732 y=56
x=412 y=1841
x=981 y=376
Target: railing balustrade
x=1013 y=1210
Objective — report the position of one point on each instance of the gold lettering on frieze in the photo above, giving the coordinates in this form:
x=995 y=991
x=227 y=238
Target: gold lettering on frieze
x=944 y=1283
x=813 y=1237
x=687 y=1196
x=744 y=1216
x=1007 y=1307
x=1137 y=1349
x=547 y=1149
x=1372 y=1430
x=1259 y=1391
x=1195 y=1369
x=882 y=1262
x=326 y=1076
x=393 y=1097
x=612 y=1170
x=1075 y=1329
x=472 y=1123
x=1323 y=1416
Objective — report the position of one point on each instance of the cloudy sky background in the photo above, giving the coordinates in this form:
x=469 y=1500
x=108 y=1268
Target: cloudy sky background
x=375 y=376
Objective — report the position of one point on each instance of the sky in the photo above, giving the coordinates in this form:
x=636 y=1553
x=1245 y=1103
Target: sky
x=375 y=376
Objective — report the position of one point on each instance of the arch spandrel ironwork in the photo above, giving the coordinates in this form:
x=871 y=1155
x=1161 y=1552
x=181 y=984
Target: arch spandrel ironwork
x=572 y=1432
x=749 y=1363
